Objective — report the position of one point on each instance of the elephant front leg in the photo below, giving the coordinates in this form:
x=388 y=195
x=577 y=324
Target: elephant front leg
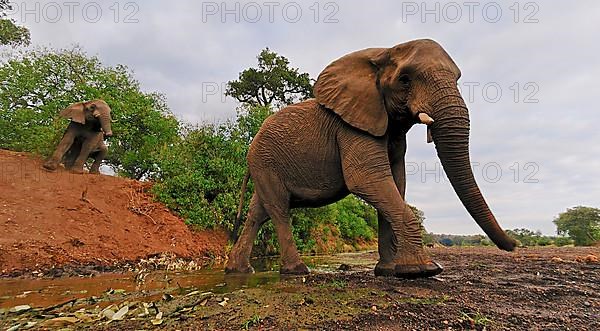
x=385 y=235
x=63 y=146
x=371 y=179
x=386 y=265
x=72 y=154
x=403 y=235
x=410 y=259
x=98 y=157
x=88 y=145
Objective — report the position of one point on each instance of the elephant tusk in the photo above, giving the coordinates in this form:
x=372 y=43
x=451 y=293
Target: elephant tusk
x=425 y=119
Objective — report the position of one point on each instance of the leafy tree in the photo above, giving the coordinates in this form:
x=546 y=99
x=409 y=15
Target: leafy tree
x=35 y=86
x=199 y=176
x=272 y=83
x=10 y=33
x=355 y=219
x=544 y=241
x=351 y=220
x=582 y=224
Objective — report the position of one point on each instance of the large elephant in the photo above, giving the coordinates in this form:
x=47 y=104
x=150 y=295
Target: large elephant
x=352 y=139
x=84 y=137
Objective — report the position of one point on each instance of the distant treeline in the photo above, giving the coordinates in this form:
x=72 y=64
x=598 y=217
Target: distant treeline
x=525 y=237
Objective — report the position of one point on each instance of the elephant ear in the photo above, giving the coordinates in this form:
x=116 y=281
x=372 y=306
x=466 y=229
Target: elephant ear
x=74 y=112
x=348 y=86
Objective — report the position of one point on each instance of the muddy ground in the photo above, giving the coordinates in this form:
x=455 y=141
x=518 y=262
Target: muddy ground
x=481 y=288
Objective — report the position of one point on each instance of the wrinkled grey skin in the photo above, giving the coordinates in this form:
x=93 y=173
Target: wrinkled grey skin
x=352 y=139
x=84 y=137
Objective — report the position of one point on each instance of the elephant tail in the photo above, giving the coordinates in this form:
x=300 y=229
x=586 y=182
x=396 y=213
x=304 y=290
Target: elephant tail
x=238 y=217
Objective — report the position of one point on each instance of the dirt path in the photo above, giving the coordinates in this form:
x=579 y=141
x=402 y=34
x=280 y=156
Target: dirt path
x=61 y=220
x=481 y=288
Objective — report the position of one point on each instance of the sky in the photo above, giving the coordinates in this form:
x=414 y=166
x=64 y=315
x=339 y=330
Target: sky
x=528 y=70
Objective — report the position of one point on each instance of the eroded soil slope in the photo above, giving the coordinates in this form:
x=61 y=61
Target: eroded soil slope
x=53 y=220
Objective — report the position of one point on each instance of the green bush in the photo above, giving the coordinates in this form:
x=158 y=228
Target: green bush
x=544 y=241
x=563 y=241
x=200 y=176
x=350 y=220
x=355 y=219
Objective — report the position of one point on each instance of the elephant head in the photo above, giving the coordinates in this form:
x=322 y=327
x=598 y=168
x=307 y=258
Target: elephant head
x=98 y=109
x=375 y=88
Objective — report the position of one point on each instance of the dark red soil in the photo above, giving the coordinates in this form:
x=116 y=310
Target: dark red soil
x=59 y=219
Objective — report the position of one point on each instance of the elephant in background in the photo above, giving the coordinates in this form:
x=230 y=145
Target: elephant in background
x=352 y=139
x=84 y=137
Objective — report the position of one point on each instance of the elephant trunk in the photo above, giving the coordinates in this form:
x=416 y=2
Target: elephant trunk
x=450 y=132
x=105 y=122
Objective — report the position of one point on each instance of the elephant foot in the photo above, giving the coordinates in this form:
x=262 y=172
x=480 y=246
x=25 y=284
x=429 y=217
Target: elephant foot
x=237 y=269
x=417 y=271
x=50 y=166
x=297 y=269
x=384 y=269
x=77 y=170
x=408 y=271
x=95 y=168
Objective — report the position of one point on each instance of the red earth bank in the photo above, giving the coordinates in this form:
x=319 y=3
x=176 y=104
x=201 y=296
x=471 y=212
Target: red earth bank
x=53 y=220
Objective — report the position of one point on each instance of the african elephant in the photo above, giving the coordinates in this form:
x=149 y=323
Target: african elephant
x=84 y=137
x=352 y=139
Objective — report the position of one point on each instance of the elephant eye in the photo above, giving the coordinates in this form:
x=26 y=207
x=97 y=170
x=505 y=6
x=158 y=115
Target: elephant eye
x=404 y=79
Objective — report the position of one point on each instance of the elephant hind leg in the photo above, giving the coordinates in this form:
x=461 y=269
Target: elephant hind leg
x=63 y=146
x=276 y=201
x=239 y=258
x=290 y=259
